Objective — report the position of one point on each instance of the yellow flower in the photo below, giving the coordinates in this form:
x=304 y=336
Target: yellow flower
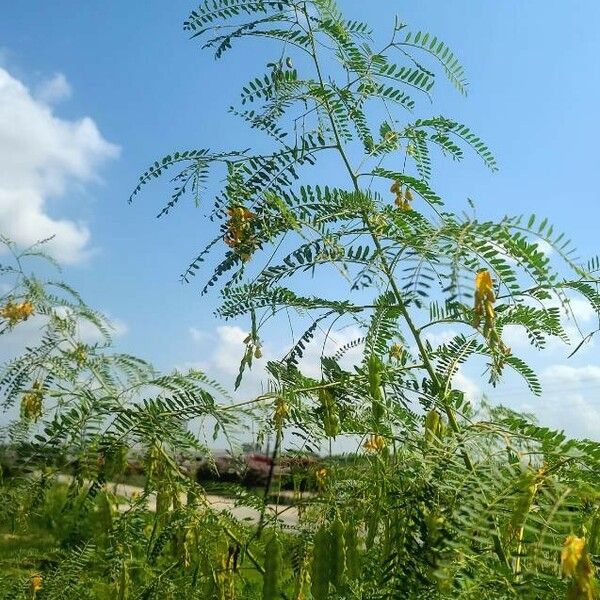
x=484 y=286
x=8 y=311
x=572 y=552
x=401 y=203
x=237 y=227
x=403 y=196
x=374 y=443
x=80 y=354
x=26 y=309
x=36 y=582
x=240 y=213
x=31 y=403
x=321 y=476
x=484 y=299
x=280 y=413
x=396 y=351
x=377 y=221
x=14 y=313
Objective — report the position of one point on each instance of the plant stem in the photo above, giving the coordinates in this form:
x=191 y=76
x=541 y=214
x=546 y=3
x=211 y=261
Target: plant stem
x=498 y=548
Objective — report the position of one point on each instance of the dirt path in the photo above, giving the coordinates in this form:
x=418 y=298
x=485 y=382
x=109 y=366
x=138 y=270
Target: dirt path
x=287 y=515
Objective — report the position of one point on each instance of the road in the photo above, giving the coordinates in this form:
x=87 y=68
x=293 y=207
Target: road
x=287 y=515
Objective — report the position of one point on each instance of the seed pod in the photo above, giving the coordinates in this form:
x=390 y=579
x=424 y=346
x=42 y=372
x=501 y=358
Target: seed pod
x=302 y=579
x=153 y=466
x=190 y=546
x=179 y=547
x=374 y=375
x=273 y=567
x=320 y=572
x=338 y=554
x=331 y=421
x=434 y=523
x=208 y=576
x=124 y=582
x=163 y=502
x=372 y=526
x=224 y=581
x=105 y=512
x=115 y=460
x=434 y=427
x=594 y=540
x=523 y=505
x=352 y=552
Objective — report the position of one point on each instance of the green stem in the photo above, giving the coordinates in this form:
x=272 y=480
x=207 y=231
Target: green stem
x=498 y=548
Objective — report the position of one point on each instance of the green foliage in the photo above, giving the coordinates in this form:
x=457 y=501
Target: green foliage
x=439 y=499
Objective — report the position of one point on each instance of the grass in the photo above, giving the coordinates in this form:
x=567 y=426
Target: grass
x=58 y=525
x=24 y=553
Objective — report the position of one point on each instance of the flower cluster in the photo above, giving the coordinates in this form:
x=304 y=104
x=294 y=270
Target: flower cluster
x=576 y=564
x=238 y=228
x=403 y=196
x=484 y=299
x=253 y=346
x=484 y=309
x=80 y=354
x=31 y=403
x=321 y=477
x=374 y=443
x=36 y=582
x=396 y=351
x=280 y=413
x=15 y=312
x=571 y=554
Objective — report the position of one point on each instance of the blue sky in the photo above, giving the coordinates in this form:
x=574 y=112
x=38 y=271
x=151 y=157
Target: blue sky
x=129 y=67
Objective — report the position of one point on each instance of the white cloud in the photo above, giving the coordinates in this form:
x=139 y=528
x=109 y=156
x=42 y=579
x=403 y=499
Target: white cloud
x=54 y=89
x=576 y=322
x=221 y=351
x=229 y=349
x=567 y=374
x=198 y=335
x=329 y=344
x=465 y=384
x=28 y=334
x=583 y=311
x=90 y=334
x=220 y=354
x=23 y=335
x=41 y=156
x=570 y=399
x=440 y=337
x=544 y=247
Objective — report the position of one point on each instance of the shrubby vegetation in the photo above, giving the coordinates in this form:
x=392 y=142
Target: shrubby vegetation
x=439 y=498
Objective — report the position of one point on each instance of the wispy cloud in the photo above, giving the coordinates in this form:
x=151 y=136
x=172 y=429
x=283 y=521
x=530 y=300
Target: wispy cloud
x=54 y=89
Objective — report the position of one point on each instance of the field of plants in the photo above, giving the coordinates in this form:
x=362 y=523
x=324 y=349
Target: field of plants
x=381 y=479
